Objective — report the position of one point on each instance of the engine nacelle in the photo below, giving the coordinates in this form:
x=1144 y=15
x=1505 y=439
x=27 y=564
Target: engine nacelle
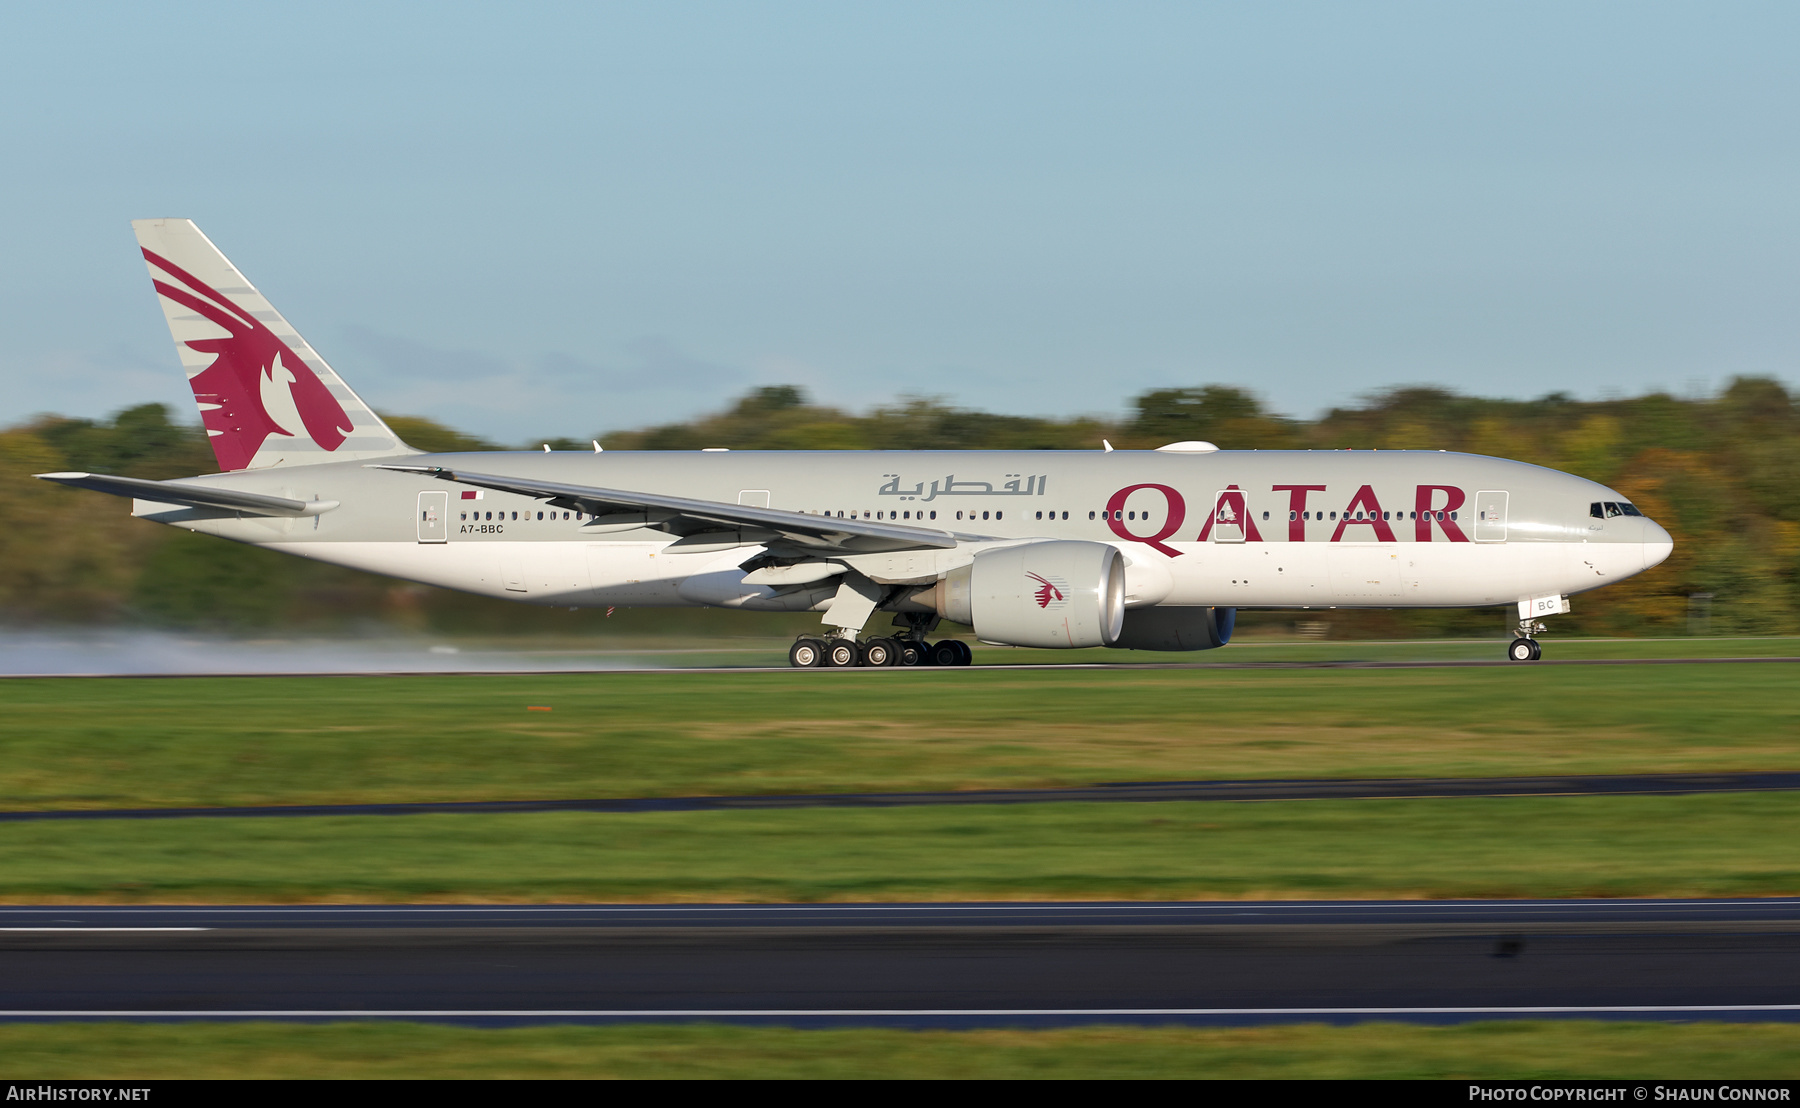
x=1176 y=628
x=1058 y=594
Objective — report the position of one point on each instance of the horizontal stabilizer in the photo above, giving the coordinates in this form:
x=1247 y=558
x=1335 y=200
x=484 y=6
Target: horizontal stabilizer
x=684 y=516
x=194 y=496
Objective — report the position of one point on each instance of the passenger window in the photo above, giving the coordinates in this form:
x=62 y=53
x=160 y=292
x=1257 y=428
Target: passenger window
x=1090 y=515
x=1452 y=516
x=1265 y=515
x=1292 y=516
x=959 y=515
x=1334 y=515
x=465 y=517
x=984 y=515
x=1116 y=513
x=1131 y=515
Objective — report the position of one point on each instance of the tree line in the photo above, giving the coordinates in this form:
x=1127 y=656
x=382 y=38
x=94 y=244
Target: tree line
x=1721 y=472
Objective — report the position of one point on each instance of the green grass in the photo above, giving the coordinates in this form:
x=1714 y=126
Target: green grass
x=220 y=741
x=1703 y=845
x=1639 y=1051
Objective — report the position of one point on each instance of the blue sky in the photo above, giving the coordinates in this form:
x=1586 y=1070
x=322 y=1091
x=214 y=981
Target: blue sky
x=533 y=220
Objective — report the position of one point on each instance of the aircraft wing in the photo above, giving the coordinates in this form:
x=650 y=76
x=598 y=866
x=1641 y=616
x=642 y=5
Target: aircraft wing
x=194 y=496
x=683 y=516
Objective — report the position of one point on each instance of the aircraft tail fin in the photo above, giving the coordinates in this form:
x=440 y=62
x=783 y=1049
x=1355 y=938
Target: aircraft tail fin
x=266 y=397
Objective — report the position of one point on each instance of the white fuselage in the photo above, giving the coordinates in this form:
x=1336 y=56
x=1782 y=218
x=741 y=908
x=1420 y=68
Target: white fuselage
x=1279 y=529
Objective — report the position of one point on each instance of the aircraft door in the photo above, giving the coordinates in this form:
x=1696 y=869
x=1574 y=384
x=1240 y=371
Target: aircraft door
x=434 y=517
x=1490 y=516
x=1228 y=516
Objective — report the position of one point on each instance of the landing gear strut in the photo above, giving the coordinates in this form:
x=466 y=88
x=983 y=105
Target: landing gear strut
x=1525 y=648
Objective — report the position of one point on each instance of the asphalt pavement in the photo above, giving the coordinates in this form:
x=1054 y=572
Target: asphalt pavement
x=1324 y=788
x=912 y=965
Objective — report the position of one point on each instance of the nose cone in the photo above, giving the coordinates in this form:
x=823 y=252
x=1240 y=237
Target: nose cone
x=1658 y=545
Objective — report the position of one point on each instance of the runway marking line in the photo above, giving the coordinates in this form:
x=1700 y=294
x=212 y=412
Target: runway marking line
x=1240 y=907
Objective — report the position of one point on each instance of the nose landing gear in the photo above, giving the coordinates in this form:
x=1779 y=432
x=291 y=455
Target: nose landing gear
x=1525 y=648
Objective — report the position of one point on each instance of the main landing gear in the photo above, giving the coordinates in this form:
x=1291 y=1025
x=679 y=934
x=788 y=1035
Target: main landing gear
x=1525 y=648
x=843 y=653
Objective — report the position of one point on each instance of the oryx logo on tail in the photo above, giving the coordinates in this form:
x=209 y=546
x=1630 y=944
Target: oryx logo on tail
x=256 y=385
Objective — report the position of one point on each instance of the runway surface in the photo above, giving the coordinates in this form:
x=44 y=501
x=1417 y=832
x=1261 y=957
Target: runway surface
x=1130 y=792
x=622 y=669
x=910 y=965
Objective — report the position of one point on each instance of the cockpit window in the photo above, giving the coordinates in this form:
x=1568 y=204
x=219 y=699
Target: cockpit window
x=1610 y=508
x=1597 y=510
x=1629 y=509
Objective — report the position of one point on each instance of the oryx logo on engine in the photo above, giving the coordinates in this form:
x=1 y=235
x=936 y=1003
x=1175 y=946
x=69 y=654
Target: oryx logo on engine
x=1050 y=592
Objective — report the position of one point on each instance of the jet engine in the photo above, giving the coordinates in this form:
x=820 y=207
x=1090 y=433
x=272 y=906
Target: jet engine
x=1057 y=594
x=1176 y=628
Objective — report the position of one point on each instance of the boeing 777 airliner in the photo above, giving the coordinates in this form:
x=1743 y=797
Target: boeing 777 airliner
x=1140 y=549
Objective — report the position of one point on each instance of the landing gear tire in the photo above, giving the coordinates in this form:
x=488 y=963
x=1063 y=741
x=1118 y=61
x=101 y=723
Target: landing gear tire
x=806 y=654
x=912 y=653
x=944 y=653
x=841 y=654
x=965 y=656
x=1524 y=650
x=880 y=652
